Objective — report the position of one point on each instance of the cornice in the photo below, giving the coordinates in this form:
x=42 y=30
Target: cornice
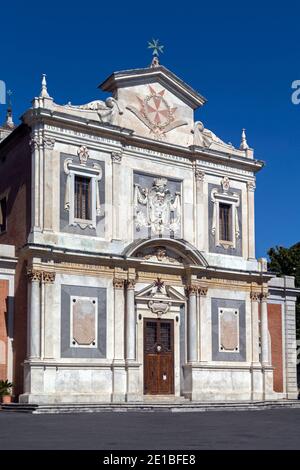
x=63 y=255
x=127 y=138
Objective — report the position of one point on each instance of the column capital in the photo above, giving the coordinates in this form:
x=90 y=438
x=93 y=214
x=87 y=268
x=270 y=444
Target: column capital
x=199 y=174
x=191 y=289
x=251 y=186
x=48 y=277
x=254 y=296
x=202 y=291
x=48 y=142
x=130 y=284
x=264 y=296
x=34 y=275
x=116 y=157
x=118 y=283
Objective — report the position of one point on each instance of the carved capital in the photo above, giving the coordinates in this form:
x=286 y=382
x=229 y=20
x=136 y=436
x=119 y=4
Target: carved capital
x=130 y=284
x=202 y=291
x=48 y=277
x=38 y=141
x=34 y=143
x=116 y=157
x=251 y=185
x=48 y=143
x=192 y=289
x=118 y=283
x=254 y=296
x=34 y=275
x=264 y=296
x=199 y=174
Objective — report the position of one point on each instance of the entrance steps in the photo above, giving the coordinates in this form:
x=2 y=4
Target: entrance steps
x=177 y=405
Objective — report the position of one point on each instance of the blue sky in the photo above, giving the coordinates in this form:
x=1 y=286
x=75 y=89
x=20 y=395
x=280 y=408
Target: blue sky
x=241 y=56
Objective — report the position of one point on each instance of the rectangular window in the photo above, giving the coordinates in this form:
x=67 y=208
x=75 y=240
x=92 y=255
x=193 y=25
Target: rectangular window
x=225 y=211
x=82 y=198
x=3 y=215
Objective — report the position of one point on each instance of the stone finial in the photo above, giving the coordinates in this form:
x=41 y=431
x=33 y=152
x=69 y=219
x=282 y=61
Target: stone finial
x=155 y=62
x=9 y=123
x=44 y=92
x=244 y=145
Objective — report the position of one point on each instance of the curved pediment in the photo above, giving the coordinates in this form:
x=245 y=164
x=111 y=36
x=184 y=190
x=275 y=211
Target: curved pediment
x=166 y=251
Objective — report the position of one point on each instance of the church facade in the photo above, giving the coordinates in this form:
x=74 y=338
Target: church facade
x=127 y=255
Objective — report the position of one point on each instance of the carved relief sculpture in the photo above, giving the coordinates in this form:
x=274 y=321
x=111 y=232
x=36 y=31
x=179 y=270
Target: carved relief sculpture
x=206 y=138
x=161 y=255
x=107 y=111
x=156 y=113
x=163 y=210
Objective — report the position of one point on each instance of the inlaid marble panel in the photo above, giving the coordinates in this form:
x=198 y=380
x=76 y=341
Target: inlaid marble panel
x=228 y=329
x=84 y=321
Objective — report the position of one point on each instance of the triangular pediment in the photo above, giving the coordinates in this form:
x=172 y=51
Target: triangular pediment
x=159 y=75
x=155 y=104
x=169 y=293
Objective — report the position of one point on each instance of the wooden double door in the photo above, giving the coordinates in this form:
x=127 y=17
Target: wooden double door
x=158 y=357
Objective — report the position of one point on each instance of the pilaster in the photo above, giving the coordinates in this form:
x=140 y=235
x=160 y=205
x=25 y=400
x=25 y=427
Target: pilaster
x=116 y=159
x=251 y=219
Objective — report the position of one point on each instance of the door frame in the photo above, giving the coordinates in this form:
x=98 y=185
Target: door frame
x=158 y=320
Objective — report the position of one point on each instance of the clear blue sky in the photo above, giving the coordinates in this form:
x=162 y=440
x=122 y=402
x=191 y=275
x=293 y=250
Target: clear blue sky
x=241 y=56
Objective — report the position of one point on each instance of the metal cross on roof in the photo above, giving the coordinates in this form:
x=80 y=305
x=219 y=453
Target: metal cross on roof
x=157 y=48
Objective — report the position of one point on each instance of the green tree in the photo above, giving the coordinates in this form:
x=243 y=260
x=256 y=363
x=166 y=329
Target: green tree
x=286 y=261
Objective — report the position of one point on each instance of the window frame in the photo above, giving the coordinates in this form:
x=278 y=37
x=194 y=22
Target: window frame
x=94 y=174
x=89 y=197
x=232 y=200
x=227 y=227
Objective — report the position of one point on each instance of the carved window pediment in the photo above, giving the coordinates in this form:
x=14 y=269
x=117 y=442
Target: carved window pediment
x=225 y=220
x=79 y=170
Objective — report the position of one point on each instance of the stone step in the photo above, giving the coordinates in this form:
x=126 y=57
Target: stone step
x=185 y=406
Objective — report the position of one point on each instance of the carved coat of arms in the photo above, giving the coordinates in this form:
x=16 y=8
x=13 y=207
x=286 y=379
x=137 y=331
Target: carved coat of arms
x=163 y=211
x=156 y=113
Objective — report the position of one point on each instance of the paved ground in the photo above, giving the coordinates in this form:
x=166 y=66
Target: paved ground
x=269 y=429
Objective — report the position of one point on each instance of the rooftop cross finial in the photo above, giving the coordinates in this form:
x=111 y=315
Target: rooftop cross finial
x=244 y=145
x=44 y=91
x=157 y=49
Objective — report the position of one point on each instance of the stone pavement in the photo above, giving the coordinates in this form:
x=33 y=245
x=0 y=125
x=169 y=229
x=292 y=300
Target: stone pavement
x=264 y=429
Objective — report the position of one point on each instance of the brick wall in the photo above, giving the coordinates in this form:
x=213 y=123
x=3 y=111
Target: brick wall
x=275 y=329
x=15 y=180
x=3 y=329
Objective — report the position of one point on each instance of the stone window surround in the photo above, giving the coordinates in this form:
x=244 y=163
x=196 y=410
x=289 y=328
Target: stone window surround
x=95 y=175
x=236 y=311
x=95 y=303
x=230 y=199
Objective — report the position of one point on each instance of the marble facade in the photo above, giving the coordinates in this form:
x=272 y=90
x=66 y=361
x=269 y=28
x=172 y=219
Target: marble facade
x=150 y=251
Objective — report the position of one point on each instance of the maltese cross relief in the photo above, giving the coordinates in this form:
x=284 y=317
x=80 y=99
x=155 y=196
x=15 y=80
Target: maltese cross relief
x=156 y=113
